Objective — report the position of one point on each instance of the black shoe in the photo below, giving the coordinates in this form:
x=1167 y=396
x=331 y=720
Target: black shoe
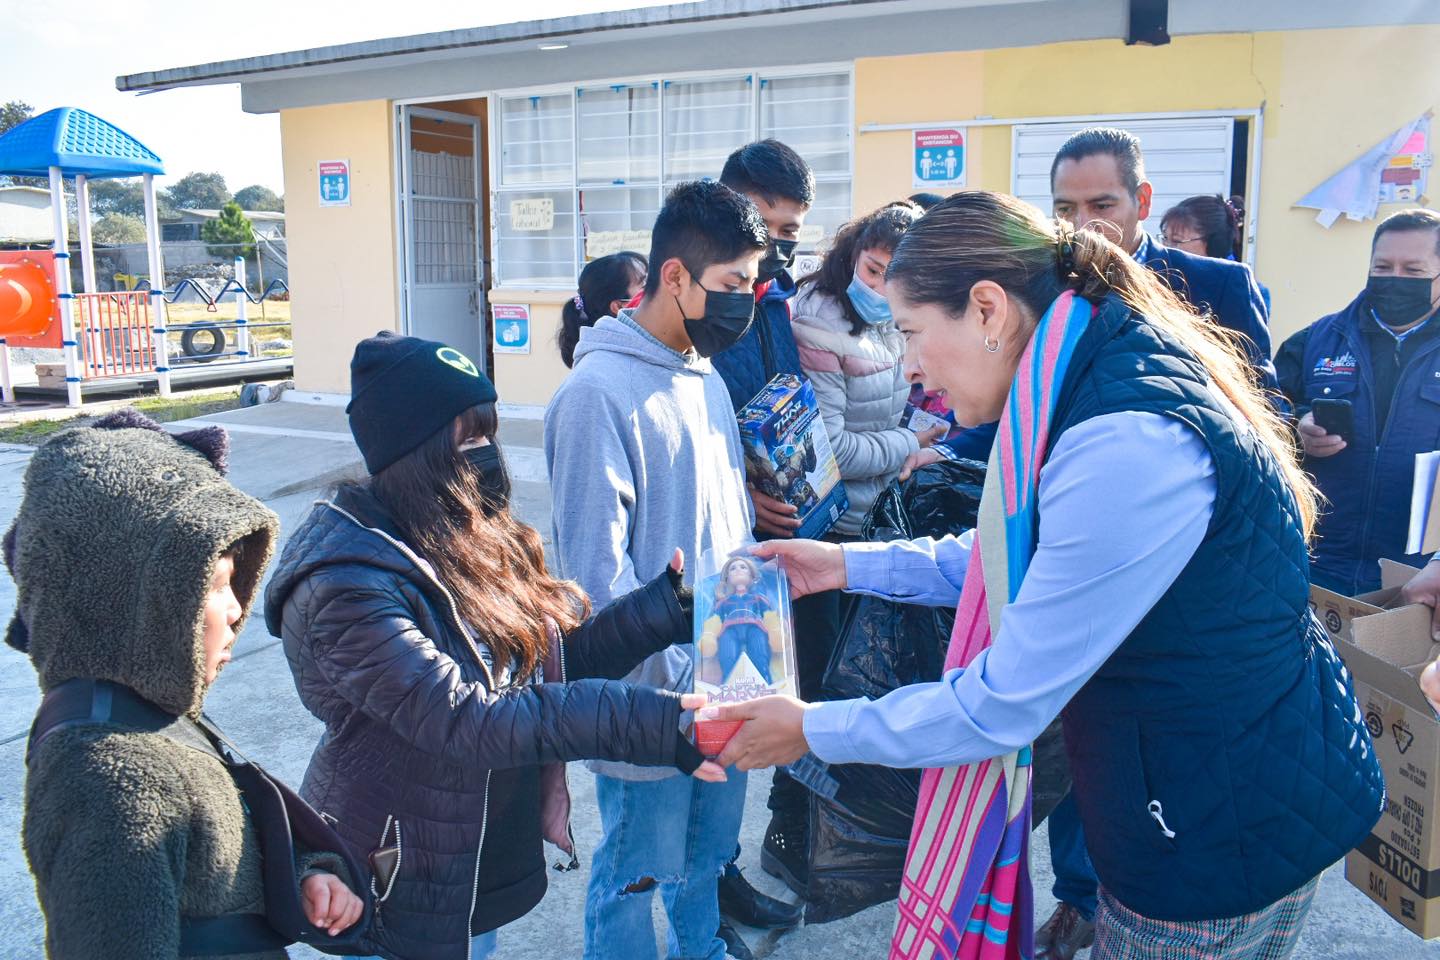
x=786 y=853
x=734 y=946
x=1065 y=934
x=744 y=904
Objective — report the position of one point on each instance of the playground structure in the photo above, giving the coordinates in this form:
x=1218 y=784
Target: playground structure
x=102 y=335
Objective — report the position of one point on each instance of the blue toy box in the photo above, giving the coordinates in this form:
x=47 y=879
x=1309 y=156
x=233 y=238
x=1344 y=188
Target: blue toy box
x=788 y=455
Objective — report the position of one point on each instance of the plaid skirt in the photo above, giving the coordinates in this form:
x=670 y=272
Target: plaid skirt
x=1269 y=934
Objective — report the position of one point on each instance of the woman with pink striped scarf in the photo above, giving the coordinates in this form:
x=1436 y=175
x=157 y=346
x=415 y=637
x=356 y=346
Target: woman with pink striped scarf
x=1140 y=569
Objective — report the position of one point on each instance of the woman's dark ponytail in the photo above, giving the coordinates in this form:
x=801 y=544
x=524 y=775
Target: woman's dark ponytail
x=572 y=318
x=603 y=281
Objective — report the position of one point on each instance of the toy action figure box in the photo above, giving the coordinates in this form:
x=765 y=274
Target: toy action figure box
x=788 y=455
x=744 y=638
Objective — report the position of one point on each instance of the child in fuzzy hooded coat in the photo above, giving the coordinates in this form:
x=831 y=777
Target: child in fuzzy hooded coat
x=135 y=563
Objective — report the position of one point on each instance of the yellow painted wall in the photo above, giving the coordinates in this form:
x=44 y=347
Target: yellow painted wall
x=1329 y=95
x=917 y=89
x=343 y=282
x=531 y=378
x=1338 y=93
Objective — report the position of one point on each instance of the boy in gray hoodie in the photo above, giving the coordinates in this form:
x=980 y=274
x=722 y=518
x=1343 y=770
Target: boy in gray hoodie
x=644 y=456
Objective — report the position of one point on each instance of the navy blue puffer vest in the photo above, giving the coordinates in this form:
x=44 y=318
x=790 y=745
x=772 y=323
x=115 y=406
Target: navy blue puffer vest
x=1219 y=759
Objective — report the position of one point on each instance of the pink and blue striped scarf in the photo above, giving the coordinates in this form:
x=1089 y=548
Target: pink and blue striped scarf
x=965 y=893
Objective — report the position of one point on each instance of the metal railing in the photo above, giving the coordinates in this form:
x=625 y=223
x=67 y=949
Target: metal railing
x=126 y=334
x=117 y=338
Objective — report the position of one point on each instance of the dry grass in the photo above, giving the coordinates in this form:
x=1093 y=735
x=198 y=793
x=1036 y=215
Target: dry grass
x=267 y=311
x=160 y=409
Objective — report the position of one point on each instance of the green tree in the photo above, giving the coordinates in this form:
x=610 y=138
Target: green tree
x=198 y=191
x=12 y=114
x=116 y=228
x=231 y=235
x=256 y=197
x=117 y=196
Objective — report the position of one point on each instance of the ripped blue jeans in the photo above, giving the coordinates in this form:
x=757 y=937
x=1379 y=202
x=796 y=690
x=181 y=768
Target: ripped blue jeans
x=673 y=835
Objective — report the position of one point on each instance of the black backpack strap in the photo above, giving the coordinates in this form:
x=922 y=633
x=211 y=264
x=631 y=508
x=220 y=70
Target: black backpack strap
x=228 y=935
x=284 y=821
x=85 y=702
x=280 y=817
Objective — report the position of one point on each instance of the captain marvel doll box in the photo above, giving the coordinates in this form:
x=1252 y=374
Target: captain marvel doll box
x=744 y=638
x=788 y=455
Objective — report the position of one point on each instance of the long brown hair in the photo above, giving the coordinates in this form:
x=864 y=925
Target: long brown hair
x=877 y=230
x=492 y=564
x=977 y=235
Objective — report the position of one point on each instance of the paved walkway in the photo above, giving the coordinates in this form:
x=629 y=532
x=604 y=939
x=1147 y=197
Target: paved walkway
x=284 y=453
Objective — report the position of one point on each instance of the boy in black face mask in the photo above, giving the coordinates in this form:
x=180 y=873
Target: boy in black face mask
x=779 y=182
x=644 y=456
x=1381 y=356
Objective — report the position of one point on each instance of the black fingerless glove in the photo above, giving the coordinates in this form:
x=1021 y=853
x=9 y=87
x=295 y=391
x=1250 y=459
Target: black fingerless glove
x=683 y=594
x=687 y=756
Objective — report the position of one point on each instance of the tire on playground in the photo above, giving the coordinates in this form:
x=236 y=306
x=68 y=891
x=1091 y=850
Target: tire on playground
x=213 y=349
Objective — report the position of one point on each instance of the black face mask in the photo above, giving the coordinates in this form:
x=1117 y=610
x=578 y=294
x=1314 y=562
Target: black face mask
x=727 y=317
x=494 y=479
x=1399 y=301
x=778 y=257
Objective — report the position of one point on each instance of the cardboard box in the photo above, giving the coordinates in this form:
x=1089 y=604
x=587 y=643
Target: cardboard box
x=788 y=455
x=1386 y=644
x=50 y=374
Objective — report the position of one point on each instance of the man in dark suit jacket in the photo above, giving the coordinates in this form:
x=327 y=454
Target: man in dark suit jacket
x=1098 y=182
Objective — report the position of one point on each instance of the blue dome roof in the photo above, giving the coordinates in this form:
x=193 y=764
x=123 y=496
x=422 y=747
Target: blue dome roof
x=76 y=141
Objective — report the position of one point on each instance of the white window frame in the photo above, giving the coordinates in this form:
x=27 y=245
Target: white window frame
x=1256 y=116
x=495 y=145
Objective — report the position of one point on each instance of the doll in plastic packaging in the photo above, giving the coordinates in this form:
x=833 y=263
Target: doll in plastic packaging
x=743 y=621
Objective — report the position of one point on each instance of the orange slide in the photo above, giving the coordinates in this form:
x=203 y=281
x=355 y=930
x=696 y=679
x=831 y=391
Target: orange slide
x=29 y=309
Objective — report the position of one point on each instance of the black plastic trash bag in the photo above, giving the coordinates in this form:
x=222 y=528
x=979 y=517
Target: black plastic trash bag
x=860 y=814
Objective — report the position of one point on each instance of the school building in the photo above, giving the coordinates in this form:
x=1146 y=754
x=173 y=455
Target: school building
x=434 y=183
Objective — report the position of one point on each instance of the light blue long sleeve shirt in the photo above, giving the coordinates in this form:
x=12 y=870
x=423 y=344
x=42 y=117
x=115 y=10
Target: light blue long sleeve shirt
x=1125 y=500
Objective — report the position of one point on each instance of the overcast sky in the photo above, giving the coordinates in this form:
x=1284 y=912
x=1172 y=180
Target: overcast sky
x=68 y=55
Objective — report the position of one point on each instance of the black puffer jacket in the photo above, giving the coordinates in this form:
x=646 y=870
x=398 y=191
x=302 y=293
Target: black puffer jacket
x=419 y=750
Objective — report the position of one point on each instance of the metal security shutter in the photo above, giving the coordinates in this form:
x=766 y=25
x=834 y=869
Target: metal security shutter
x=1183 y=157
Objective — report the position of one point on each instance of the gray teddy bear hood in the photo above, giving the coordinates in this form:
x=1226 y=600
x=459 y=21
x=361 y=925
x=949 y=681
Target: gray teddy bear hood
x=113 y=551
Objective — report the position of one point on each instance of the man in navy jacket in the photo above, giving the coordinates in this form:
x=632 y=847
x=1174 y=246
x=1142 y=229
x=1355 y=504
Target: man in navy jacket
x=1097 y=181
x=1380 y=356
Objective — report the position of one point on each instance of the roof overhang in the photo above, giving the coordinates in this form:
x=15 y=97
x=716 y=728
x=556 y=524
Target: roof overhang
x=714 y=34
x=719 y=35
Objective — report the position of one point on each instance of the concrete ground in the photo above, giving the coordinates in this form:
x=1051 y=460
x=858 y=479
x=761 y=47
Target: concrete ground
x=286 y=453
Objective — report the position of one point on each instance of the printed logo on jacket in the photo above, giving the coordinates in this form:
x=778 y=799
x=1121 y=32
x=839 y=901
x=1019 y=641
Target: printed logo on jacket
x=1341 y=366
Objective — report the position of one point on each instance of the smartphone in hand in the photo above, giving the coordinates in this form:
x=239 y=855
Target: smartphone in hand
x=1335 y=417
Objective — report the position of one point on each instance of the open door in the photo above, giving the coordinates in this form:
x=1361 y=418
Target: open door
x=441 y=193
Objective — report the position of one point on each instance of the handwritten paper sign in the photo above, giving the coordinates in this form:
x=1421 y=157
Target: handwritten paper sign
x=532 y=215
x=602 y=243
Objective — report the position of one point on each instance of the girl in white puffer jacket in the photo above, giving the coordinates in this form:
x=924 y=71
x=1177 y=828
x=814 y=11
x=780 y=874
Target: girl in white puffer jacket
x=852 y=353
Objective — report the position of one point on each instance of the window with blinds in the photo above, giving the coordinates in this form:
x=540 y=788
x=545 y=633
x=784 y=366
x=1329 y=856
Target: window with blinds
x=583 y=173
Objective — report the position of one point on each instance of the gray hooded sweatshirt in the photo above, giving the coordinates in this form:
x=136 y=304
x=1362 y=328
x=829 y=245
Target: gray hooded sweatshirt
x=644 y=456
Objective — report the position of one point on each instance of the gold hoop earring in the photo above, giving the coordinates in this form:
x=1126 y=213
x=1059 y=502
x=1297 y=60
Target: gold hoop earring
x=992 y=346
